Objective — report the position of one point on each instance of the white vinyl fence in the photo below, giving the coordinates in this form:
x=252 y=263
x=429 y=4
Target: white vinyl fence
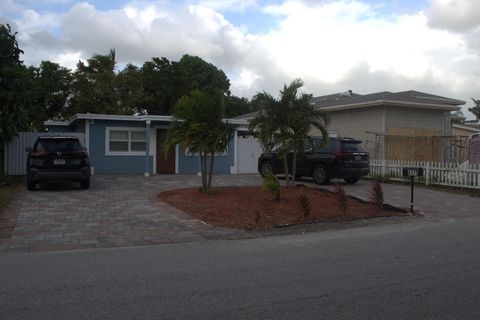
x=464 y=175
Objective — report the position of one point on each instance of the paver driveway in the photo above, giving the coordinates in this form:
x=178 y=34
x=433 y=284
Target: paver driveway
x=125 y=211
x=115 y=211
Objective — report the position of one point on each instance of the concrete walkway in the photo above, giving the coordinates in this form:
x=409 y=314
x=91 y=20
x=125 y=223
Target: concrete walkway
x=432 y=203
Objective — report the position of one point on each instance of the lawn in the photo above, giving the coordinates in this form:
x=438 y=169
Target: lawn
x=7 y=190
x=250 y=208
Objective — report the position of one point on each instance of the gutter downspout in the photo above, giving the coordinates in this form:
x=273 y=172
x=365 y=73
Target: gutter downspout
x=147 y=147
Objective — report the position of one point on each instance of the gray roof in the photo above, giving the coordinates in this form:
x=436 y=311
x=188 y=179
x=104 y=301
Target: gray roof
x=412 y=96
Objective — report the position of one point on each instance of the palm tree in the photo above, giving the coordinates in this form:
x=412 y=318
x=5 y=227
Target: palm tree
x=199 y=126
x=287 y=123
x=476 y=110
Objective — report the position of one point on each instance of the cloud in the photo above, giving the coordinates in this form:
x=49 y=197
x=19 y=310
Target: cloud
x=228 y=5
x=332 y=45
x=454 y=15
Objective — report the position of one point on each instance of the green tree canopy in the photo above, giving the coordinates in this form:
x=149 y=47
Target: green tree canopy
x=199 y=126
x=286 y=123
x=13 y=89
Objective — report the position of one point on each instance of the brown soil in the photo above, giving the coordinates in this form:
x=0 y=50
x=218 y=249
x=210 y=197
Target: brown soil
x=250 y=208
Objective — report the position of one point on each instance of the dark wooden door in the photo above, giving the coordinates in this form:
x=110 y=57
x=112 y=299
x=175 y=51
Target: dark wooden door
x=164 y=164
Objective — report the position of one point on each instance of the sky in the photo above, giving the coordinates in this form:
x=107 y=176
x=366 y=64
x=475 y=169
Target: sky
x=365 y=46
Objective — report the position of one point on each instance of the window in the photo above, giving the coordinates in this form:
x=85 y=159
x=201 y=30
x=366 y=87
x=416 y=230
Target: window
x=125 y=141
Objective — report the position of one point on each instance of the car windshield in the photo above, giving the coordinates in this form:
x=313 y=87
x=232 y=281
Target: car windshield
x=352 y=147
x=58 y=146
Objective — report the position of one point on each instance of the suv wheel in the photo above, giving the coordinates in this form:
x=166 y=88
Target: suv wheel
x=31 y=186
x=266 y=168
x=351 y=180
x=320 y=174
x=85 y=184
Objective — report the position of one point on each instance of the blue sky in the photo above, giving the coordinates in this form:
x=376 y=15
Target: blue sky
x=362 y=45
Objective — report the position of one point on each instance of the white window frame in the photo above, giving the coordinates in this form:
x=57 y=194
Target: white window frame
x=124 y=153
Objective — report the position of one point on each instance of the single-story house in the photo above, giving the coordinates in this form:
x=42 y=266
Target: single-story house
x=407 y=125
x=134 y=144
x=392 y=125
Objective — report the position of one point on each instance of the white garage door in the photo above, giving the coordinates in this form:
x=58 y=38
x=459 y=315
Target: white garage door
x=249 y=150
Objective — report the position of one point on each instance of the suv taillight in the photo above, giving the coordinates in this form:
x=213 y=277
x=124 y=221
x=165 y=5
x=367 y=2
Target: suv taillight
x=38 y=153
x=343 y=155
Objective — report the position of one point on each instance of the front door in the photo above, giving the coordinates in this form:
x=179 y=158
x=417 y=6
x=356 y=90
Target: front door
x=164 y=164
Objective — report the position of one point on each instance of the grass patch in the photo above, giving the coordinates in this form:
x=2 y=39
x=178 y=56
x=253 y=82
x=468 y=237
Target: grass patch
x=7 y=190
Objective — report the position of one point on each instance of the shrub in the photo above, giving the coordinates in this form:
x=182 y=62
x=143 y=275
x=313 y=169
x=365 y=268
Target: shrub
x=272 y=185
x=342 y=198
x=376 y=195
x=304 y=203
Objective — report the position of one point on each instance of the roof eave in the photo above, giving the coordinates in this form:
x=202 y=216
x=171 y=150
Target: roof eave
x=392 y=103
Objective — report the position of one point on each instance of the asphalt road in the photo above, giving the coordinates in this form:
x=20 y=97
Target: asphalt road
x=415 y=270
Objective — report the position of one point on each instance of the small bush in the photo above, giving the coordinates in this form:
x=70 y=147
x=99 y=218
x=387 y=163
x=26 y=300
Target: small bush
x=304 y=203
x=257 y=218
x=272 y=185
x=342 y=198
x=376 y=195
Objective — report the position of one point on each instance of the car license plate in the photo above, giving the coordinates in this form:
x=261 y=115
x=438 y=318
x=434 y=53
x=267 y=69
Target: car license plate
x=358 y=158
x=58 y=161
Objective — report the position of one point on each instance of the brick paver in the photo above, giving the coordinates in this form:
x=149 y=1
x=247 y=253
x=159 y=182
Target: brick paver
x=115 y=211
x=124 y=210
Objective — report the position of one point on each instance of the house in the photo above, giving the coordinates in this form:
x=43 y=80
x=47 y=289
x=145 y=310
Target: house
x=407 y=125
x=119 y=144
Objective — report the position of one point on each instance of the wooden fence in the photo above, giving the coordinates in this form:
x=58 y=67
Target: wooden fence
x=464 y=175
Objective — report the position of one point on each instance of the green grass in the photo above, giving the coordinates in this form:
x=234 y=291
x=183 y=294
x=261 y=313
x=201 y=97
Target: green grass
x=7 y=190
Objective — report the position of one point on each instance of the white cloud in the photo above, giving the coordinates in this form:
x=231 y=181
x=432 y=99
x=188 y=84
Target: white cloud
x=332 y=45
x=228 y=5
x=456 y=15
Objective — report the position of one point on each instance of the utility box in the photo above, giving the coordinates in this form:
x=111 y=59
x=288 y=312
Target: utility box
x=474 y=149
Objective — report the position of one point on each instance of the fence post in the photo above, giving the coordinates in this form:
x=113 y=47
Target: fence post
x=427 y=174
x=383 y=169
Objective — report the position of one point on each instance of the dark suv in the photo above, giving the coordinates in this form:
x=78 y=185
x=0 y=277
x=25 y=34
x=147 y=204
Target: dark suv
x=340 y=158
x=57 y=158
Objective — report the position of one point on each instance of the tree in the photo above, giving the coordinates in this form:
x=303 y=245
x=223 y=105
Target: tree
x=476 y=109
x=13 y=88
x=50 y=93
x=199 y=126
x=94 y=87
x=287 y=123
x=129 y=86
x=235 y=106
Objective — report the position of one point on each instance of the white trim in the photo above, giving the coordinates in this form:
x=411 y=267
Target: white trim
x=391 y=103
x=464 y=127
x=234 y=169
x=124 y=153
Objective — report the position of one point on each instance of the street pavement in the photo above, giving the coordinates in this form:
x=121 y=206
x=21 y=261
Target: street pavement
x=414 y=270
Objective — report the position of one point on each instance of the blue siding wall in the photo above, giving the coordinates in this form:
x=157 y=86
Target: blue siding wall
x=104 y=164
x=191 y=164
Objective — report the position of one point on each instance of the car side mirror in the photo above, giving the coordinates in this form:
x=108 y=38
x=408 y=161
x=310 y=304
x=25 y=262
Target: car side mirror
x=84 y=149
x=28 y=149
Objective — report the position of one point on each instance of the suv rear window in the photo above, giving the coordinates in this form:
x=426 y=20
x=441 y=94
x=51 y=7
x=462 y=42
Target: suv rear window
x=352 y=147
x=52 y=146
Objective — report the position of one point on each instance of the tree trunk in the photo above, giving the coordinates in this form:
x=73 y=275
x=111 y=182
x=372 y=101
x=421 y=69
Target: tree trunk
x=285 y=169
x=2 y=164
x=203 y=168
x=294 y=167
x=212 y=157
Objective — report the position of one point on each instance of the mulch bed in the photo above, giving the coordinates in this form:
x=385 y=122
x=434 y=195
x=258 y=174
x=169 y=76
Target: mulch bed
x=250 y=208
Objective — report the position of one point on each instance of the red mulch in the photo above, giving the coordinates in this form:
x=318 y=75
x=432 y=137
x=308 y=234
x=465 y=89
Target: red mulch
x=250 y=208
